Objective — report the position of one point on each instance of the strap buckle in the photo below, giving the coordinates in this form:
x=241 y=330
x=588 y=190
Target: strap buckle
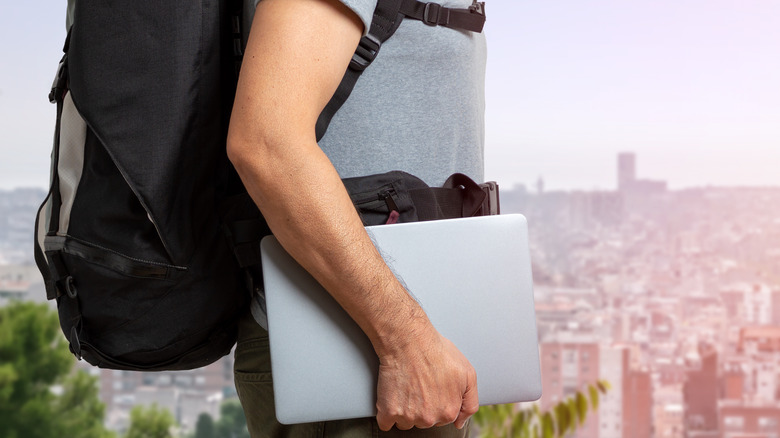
x=490 y=206
x=60 y=84
x=365 y=53
x=432 y=13
x=477 y=8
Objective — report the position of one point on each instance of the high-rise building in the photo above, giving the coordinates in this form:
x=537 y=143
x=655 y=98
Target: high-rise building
x=701 y=392
x=571 y=366
x=626 y=170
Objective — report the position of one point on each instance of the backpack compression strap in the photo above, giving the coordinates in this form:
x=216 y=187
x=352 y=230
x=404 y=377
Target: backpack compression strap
x=387 y=17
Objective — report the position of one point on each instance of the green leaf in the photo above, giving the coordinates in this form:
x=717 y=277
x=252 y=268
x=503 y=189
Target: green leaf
x=594 y=396
x=562 y=418
x=548 y=430
x=582 y=407
x=574 y=413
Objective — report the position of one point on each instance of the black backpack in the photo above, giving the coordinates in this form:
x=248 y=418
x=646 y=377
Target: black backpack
x=146 y=236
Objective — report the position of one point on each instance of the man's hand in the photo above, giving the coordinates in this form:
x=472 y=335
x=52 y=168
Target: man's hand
x=425 y=383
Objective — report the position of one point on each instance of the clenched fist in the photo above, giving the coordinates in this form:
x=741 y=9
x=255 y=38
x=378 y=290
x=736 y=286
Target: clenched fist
x=425 y=381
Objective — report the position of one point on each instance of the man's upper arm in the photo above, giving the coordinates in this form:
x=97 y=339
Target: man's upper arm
x=297 y=53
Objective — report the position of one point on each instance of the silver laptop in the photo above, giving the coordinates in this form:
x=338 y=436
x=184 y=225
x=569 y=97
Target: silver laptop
x=472 y=277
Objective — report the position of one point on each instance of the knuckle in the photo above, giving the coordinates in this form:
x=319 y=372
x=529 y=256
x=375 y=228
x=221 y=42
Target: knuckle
x=389 y=410
x=397 y=413
x=451 y=414
x=426 y=421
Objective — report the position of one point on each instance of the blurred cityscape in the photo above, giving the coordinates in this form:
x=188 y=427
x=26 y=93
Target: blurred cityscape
x=672 y=296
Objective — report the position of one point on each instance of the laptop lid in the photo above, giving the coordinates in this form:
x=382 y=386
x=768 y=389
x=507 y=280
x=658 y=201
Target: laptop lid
x=472 y=277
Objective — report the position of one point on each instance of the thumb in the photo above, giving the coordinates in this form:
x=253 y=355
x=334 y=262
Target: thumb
x=470 y=403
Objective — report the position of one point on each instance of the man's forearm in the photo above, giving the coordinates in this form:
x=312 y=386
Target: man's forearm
x=310 y=212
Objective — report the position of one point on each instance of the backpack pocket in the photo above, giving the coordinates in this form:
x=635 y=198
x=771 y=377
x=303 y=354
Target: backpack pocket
x=384 y=198
x=122 y=302
x=122 y=313
x=91 y=204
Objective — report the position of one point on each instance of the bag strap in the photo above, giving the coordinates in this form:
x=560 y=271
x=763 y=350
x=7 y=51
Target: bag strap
x=51 y=267
x=459 y=197
x=434 y=14
x=387 y=18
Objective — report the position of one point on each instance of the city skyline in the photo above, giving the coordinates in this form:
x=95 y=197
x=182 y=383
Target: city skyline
x=673 y=303
x=690 y=87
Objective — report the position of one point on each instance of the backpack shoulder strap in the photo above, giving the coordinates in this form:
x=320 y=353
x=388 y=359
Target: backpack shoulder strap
x=387 y=17
x=433 y=14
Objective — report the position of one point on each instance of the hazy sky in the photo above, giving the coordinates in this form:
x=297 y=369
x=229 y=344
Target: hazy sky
x=691 y=86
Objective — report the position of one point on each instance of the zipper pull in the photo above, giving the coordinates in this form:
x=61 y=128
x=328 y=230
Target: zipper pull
x=394 y=214
x=385 y=196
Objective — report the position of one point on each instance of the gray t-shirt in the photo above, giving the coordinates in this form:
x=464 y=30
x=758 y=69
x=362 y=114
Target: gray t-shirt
x=418 y=108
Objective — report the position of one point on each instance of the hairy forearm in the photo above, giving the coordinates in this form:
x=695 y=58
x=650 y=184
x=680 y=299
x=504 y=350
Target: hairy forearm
x=310 y=212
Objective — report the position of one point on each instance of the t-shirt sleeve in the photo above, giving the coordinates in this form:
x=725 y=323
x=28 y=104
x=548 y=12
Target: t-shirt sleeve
x=363 y=8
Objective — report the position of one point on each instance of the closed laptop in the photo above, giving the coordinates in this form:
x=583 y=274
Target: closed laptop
x=472 y=277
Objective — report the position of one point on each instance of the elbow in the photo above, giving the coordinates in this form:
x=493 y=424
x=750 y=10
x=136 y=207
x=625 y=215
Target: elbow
x=252 y=148
x=248 y=150
x=262 y=148
x=239 y=150
x=257 y=152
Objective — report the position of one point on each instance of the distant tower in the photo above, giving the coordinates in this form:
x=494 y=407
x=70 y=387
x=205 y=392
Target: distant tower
x=540 y=185
x=626 y=170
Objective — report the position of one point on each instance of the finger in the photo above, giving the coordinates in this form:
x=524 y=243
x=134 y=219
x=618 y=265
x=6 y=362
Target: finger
x=404 y=425
x=469 y=407
x=385 y=422
x=425 y=422
x=449 y=415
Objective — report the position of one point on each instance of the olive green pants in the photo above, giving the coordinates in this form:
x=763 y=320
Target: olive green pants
x=255 y=389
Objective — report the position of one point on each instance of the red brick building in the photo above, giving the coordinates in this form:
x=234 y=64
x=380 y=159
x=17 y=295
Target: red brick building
x=624 y=412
